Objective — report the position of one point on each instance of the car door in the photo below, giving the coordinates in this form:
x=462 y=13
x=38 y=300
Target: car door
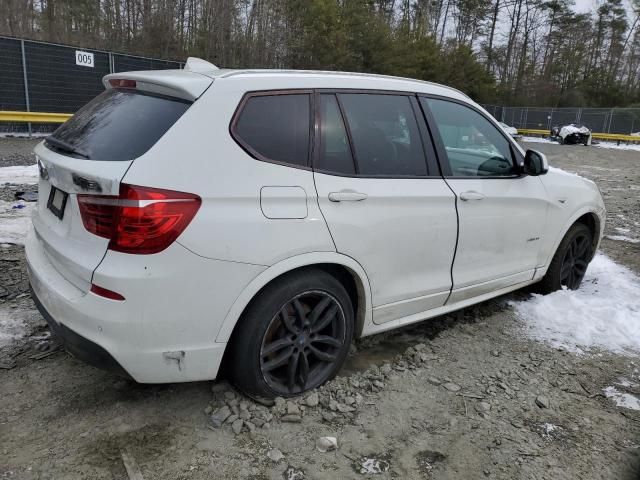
x=502 y=212
x=384 y=201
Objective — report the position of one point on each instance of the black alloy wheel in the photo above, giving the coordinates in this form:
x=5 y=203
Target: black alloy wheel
x=302 y=343
x=575 y=262
x=293 y=337
x=569 y=264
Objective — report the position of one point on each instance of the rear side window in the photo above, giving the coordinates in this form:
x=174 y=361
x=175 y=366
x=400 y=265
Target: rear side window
x=117 y=125
x=335 y=152
x=275 y=128
x=385 y=136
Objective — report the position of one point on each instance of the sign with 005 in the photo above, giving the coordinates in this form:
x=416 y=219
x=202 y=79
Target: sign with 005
x=84 y=59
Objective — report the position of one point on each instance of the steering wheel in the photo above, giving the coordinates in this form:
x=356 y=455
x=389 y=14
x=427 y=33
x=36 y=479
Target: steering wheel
x=495 y=166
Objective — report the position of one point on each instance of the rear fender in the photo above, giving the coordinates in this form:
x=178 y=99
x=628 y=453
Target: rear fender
x=364 y=315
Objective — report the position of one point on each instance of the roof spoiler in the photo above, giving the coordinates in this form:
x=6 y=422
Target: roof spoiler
x=183 y=84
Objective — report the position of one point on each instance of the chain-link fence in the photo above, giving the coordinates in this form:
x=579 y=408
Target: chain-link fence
x=599 y=120
x=46 y=77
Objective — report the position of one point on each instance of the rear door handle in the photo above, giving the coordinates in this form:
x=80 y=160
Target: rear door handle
x=347 y=196
x=471 y=195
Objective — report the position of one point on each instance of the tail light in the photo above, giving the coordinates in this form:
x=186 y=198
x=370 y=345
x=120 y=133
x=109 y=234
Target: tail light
x=140 y=220
x=122 y=83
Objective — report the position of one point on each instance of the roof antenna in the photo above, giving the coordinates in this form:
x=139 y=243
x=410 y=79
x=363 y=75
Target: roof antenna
x=195 y=64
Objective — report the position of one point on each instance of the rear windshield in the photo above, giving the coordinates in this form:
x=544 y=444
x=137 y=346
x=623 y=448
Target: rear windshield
x=119 y=124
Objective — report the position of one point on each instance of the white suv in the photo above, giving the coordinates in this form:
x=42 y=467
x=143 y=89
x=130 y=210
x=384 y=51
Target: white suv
x=258 y=221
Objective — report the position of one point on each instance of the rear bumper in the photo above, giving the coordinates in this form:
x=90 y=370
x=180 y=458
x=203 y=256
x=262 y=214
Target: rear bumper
x=80 y=347
x=165 y=329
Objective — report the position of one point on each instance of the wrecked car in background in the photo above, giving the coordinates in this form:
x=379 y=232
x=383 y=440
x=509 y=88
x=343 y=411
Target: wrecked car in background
x=571 y=134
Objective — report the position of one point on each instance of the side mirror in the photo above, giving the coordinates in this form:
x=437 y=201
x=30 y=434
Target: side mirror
x=535 y=163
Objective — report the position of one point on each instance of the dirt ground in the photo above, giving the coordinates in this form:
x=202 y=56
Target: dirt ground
x=464 y=396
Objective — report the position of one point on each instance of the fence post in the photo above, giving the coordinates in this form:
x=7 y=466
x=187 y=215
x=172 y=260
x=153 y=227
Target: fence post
x=26 y=82
x=610 y=118
x=110 y=62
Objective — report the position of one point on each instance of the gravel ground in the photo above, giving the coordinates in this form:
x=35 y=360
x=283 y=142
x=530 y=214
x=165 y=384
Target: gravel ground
x=17 y=151
x=463 y=396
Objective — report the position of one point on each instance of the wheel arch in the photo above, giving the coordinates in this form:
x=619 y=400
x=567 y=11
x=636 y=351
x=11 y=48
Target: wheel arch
x=349 y=272
x=587 y=216
x=593 y=223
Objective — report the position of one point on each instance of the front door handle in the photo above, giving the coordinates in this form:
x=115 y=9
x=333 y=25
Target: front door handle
x=347 y=196
x=471 y=195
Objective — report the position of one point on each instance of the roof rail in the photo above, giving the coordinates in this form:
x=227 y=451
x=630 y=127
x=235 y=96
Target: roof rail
x=238 y=72
x=196 y=65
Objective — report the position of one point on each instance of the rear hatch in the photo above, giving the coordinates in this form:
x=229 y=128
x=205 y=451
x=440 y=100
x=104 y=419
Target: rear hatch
x=91 y=153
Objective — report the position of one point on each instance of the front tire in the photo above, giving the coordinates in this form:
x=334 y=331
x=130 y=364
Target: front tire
x=570 y=262
x=293 y=337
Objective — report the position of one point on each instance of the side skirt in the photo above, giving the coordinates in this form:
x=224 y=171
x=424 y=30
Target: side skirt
x=373 y=328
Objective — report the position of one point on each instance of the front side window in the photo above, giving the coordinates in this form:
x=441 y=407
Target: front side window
x=276 y=127
x=474 y=146
x=384 y=133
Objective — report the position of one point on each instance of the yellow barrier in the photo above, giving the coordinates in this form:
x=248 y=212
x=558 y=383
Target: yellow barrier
x=40 y=117
x=33 y=117
x=613 y=137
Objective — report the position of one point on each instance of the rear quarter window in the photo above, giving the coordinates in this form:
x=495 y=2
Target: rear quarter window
x=275 y=127
x=119 y=124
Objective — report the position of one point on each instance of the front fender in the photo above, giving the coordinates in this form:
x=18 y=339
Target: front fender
x=364 y=315
x=591 y=209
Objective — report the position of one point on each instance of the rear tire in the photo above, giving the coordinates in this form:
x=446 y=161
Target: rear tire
x=293 y=337
x=570 y=262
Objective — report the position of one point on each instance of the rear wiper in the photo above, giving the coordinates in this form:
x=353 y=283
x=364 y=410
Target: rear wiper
x=65 y=146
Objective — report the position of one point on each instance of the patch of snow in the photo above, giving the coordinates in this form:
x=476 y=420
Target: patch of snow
x=19 y=175
x=537 y=140
x=624 y=400
x=373 y=466
x=12 y=326
x=614 y=146
x=549 y=430
x=603 y=314
x=622 y=230
x=623 y=382
x=15 y=222
x=600 y=144
x=622 y=238
x=23 y=135
x=292 y=473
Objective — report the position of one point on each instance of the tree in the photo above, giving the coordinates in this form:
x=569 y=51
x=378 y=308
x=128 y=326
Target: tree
x=528 y=52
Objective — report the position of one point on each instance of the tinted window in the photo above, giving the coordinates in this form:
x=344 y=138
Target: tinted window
x=474 y=145
x=385 y=135
x=335 y=152
x=276 y=127
x=119 y=124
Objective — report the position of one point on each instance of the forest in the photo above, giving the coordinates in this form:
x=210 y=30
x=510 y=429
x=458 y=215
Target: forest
x=506 y=52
